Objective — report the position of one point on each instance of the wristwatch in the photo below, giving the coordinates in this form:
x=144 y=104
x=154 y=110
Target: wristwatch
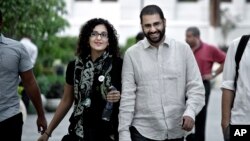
x=213 y=74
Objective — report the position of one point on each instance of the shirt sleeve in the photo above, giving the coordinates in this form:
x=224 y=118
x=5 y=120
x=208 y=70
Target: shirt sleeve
x=70 y=73
x=229 y=68
x=25 y=61
x=195 y=91
x=127 y=103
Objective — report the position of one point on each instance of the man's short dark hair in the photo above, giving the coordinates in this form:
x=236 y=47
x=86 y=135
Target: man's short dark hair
x=150 y=10
x=139 y=36
x=195 y=31
x=1 y=18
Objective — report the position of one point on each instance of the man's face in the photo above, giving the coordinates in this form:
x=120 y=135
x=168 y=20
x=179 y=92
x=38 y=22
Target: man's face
x=191 y=39
x=153 y=28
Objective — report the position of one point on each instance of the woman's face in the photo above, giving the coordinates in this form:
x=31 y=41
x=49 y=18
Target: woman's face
x=98 y=39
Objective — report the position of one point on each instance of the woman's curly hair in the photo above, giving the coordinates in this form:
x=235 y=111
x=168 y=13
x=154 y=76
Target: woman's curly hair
x=83 y=49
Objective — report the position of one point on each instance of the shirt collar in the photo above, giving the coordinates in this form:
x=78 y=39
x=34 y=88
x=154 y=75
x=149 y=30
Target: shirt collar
x=2 y=39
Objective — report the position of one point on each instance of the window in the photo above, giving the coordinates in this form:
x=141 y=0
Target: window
x=83 y=0
x=187 y=0
x=108 y=0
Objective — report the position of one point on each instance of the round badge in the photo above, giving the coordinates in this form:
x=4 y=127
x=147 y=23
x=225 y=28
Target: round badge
x=101 y=78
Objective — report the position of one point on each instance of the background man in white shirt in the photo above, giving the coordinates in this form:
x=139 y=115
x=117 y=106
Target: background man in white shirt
x=31 y=48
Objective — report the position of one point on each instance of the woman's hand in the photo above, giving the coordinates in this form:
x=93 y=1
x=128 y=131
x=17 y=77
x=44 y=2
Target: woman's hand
x=43 y=137
x=113 y=96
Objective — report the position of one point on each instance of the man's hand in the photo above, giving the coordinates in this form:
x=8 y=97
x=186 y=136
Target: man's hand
x=41 y=124
x=188 y=123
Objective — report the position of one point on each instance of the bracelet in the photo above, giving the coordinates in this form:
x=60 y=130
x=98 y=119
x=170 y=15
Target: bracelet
x=49 y=135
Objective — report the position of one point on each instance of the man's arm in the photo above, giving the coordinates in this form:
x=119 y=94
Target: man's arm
x=195 y=92
x=33 y=91
x=128 y=97
x=226 y=105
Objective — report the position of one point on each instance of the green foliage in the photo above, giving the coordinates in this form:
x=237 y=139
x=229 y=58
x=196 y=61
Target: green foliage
x=47 y=83
x=62 y=48
x=130 y=41
x=41 y=20
x=38 y=19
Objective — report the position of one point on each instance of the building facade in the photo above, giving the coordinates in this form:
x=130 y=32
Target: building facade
x=180 y=14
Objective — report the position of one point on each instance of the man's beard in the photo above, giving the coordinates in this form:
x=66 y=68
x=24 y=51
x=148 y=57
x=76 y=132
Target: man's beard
x=162 y=33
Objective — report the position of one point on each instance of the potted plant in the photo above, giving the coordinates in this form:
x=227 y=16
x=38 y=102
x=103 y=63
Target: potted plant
x=54 y=94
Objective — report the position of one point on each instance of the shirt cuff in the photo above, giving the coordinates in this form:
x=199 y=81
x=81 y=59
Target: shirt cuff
x=189 y=112
x=124 y=136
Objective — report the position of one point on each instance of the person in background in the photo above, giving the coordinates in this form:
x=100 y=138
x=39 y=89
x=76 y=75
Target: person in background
x=161 y=91
x=206 y=55
x=88 y=81
x=15 y=62
x=31 y=48
x=235 y=102
x=140 y=36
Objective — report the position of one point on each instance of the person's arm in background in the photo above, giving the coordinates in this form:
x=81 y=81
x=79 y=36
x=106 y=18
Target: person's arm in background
x=33 y=91
x=218 y=56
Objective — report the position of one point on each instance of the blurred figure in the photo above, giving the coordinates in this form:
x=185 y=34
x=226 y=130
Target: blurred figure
x=161 y=91
x=15 y=62
x=139 y=36
x=31 y=48
x=88 y=85
x=206 y=55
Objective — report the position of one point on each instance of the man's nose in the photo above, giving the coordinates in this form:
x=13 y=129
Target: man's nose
x=152 y=28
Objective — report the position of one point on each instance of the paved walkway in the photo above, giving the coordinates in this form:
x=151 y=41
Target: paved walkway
x=213 y=132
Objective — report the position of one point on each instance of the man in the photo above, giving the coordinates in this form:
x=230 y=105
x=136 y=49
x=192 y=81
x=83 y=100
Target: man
x=161 y=91
x=15 y=62
x=206 y=55
x=235 y=102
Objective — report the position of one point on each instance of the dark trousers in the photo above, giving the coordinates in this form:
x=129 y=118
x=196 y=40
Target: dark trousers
x=136 y=136
x=200 y=119
x=11 y=128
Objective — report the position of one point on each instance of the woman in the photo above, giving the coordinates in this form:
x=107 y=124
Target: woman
x=88 y=81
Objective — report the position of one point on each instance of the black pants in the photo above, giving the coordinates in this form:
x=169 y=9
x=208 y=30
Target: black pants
x=136 y=136
x=200 y=119
x=11 y=128
x=103 y=132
